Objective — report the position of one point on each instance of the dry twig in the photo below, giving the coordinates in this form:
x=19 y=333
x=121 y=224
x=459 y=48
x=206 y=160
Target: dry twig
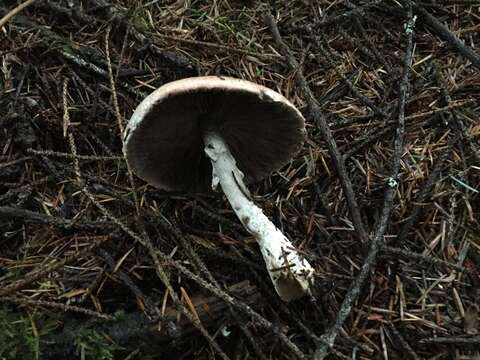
x=323 y=126
x=442 y=31
x=328 y=339
x=4 y=20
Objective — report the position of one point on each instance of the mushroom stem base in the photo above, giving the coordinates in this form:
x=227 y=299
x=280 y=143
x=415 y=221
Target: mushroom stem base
x=291 y=274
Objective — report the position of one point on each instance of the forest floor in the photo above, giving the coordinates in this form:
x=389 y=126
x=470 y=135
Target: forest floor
x=383 y=198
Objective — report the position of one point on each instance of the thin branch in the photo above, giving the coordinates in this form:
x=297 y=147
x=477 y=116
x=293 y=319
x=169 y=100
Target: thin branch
x=453 y=340
x=14 y=162
x=146 y=334
x=323 y=126
x=328 y=339
x=337 y=19
x=70 y=156
x=413 y=256
x=10 y=213
x=43 y=270
x=245 y=308
x=404 y=343
x=4 y=20
x=26 y=301
x=220 y=47
x=159 y=268
x=422 y=196
x=327 y=56
x=116 y=14
x=443 y=31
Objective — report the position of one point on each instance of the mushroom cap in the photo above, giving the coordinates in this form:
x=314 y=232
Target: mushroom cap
x=163 y=141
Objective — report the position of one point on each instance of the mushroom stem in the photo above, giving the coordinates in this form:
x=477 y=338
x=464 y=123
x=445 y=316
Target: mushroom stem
x=291 y=274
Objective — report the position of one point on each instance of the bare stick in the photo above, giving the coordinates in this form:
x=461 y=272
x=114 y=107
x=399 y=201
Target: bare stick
x=413 y=256
x=43 y=270
x=422 y=196
x=406 y=346
x=259 y=319
x=328 y=339
x=10 y=212
x=442 y=31
x=453 y=340
x=26 y=301
x=13 y=12
x=145 y=241
x=69 y=156
x=324 y=129
x=134 y=327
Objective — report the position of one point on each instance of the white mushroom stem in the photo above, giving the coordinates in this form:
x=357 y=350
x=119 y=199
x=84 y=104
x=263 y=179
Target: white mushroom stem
x=291 y=274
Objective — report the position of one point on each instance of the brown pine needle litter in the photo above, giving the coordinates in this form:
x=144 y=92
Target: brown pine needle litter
x=383 y=198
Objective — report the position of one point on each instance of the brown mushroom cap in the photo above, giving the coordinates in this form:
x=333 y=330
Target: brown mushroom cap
x=163 y=141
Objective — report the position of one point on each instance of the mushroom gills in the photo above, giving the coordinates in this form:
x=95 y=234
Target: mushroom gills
x=291 y=274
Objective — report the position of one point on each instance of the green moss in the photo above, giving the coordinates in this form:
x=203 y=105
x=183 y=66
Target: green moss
x=19 y=342
x=92 y=345
x=17 y=338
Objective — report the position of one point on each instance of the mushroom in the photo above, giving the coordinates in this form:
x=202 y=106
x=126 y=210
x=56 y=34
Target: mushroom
x=213 y=130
